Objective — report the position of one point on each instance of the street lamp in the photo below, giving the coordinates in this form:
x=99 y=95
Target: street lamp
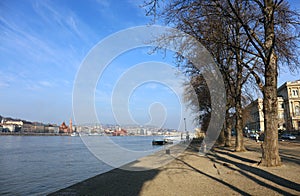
x=184 y=124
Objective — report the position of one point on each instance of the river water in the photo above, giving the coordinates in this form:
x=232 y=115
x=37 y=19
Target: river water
x=37 y=165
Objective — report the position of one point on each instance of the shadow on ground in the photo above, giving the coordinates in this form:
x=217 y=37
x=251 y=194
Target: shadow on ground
x=248 y=172
x=124 y=182
x=249 y=168
x=114 y=182
x=235 y=188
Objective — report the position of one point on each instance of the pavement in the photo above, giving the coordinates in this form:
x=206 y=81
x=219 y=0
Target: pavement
x=220 y=172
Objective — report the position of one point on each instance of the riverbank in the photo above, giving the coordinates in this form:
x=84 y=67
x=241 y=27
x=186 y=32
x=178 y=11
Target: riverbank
x=32 y=134
x=220 y=172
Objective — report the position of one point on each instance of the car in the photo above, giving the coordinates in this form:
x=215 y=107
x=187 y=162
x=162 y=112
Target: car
x=254 y=135
x=233 y=133
x=288 y=136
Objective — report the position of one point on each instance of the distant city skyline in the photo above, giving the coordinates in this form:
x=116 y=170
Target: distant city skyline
x=43 y=44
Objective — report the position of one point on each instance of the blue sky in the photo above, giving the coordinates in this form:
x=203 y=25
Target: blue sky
x=42 y=44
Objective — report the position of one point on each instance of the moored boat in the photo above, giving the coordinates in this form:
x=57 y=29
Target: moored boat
x=158 y=142
x=162 y=142
x=74 y=134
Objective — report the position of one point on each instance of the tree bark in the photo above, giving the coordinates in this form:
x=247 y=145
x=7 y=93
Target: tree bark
x=227 y=131
x=221 y=138
x=270 y=156
x=270 y=152
x=239 y=142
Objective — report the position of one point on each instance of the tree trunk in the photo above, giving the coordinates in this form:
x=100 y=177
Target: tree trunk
x=239 y=142
x=228 y=127
x=221 y=138
x=227 y=131
x=270 y=156
x=270 y=152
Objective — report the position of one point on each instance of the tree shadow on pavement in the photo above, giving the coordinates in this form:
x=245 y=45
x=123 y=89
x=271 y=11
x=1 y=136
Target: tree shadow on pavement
x=290 y=158
x=213 y=178
x=247 y=160
x=246 y=169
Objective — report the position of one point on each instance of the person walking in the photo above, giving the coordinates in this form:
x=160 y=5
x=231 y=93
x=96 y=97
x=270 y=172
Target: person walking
x=256 y=137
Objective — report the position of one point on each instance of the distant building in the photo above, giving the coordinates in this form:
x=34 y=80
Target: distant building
x=254 y=115
x=119 y=132
x=290 y=105
x=142 y=132
x=63 y=128
x=51 y=129
x=11 y=125
x=14 y=122
x=27 y=127
x=288 y=109
x=37 y=127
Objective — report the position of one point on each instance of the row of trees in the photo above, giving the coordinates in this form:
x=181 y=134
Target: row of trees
x=250 y=40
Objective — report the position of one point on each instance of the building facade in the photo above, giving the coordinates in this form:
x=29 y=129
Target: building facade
x=254 y=116
x=288 y=98
x=11 y=125
x=63 y=128
x=290 y=94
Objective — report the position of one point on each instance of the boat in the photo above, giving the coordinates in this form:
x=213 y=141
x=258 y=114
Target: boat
x=162 y=142
x=158 y=142
x=74 y=134
x=168 y=141
x=94 y=134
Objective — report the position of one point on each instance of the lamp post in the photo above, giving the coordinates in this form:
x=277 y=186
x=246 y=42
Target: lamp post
x=187 y=134
x=184 y=124
x=184 y=129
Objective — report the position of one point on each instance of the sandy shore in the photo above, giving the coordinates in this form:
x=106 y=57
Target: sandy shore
x=220 y=172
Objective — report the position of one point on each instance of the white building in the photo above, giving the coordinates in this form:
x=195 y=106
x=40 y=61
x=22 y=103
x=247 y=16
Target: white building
x=290 y=93
x=288 y=109
x=10 y=127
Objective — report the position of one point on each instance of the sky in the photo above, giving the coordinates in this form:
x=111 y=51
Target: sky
x=43 y=44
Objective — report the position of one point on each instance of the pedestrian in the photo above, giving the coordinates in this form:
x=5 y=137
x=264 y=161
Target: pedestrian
x=187 y=137
x=256 y=137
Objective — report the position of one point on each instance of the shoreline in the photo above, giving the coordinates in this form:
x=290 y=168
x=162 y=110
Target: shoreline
x=221 y=171
x=32 y=134
x=66 y=134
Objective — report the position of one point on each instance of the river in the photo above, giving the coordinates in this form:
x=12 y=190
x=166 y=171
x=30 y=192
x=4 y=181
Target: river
x=37 y=165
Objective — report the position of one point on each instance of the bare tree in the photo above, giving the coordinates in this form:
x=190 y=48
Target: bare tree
x=199 y=104
x=269 y=26
x=206 y=23
x=269 y=29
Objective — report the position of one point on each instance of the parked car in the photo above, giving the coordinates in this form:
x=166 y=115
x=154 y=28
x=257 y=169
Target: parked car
x=233 y=133
x=254 y=135
x=288 y=136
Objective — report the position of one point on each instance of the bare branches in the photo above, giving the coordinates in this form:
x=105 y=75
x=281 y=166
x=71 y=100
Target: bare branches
x=247 y=39
x=254 y=39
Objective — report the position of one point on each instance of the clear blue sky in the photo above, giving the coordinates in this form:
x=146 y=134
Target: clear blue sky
x=42 y=44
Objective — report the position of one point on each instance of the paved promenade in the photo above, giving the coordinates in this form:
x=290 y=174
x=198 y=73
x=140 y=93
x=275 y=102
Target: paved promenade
x=220 y=172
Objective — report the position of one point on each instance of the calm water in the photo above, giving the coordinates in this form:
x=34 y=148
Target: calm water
x=37 y=165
